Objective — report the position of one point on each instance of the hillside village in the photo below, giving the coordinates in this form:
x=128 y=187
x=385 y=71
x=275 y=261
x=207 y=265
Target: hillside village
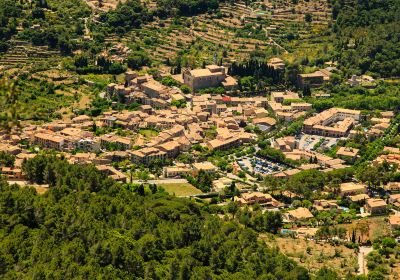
x=159 y=135
x=247 y=108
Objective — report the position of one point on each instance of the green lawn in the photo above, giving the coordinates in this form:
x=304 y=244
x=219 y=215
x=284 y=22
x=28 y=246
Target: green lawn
x=180 y=189
x=148 y=133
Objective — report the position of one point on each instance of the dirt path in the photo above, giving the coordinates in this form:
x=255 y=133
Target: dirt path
x=362 y=262
x=87 y=31
x=84 y=102
x=273 y=42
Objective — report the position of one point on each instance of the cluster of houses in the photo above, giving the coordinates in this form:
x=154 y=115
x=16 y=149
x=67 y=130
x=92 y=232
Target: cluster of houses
x=263 y=199
x=117 y=53
x=334 y=122
x=9 y=144
x=288 y=106
x=177 y=128
x=320 y=76
x=289 y=146
x=390 y=155
x=378 y=126
x=355 y=193
x=215 y=122
x=181 y=128
x=363 y=80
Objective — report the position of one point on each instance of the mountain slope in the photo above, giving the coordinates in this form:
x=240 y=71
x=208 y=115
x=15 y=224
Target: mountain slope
x=368 y=36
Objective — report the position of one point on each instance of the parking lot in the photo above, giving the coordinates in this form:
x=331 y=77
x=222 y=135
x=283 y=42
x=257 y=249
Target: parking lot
x=260 y=165
x=308 y=142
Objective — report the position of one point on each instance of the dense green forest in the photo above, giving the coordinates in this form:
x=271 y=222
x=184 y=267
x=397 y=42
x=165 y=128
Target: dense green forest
x=44 y=22
x=61 y=24
x=185 y=7
x=132 y=13
x=89 y=227
x=126 y=16
x=368 y=36
x=8 y=26
x=383 y=97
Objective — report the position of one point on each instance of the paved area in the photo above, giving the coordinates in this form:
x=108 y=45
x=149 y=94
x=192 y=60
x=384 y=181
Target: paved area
x=163 y=181
x=396 y=213
x=247 y=163
x=307 y=142
x=18 y=182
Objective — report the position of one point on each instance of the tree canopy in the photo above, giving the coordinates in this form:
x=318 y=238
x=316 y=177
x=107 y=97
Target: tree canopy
x=88 y=226
x=367 y=35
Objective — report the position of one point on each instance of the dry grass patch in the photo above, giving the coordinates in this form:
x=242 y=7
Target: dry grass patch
x=180 y=189
x=40 y=189
x=106 y=4
x=314 y=256
x=377 y=228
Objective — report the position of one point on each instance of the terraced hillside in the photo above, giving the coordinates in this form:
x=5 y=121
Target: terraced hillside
x=103 y=5
x=234 y=33
x=23 y=53
x=33 y=31
x=284 y=10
